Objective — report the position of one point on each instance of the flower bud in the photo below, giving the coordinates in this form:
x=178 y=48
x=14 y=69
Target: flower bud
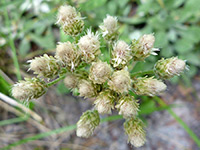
x=167 y=68
x=134 y=129
x=104 y=102
x=109 y=28
x=45 y=66
x=89 y=46
x=120 y=81
x=87 y=123
x=148 y=86
x=67 y=54
x=29 y=89
x=70 y=81
x=128 y=107
x=70 y=20
x=86 y=88
x=120 y=54
x=143 y=47
x=100 y=72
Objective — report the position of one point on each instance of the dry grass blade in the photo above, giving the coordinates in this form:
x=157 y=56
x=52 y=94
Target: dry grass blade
x=22 y=107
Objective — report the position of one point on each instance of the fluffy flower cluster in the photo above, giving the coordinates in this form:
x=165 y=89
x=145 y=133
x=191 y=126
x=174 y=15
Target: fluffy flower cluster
x=167 y=68
x=108 y=82
x=67 y=54
x=109 y=28
x=89 y=46
x=29 y=89
x=148 y=86
x=134 y=129
x=121 y=54
x=143 y=47
x=70 y=20
x=87 y=123
x=45 y=66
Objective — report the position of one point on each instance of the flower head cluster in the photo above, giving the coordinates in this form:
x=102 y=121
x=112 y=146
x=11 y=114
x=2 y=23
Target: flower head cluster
x=89 y=46
x=120 y=81
x=100 y=72
x=121 y=54
x=128 y=107
x=45 y=66
x=86 y=88
x=29 y=89
x=148 y=86
x=70 y=20
x=167 y=68
x=143 y=47
x=87 y=123
x=134 y=130
x=104 y=102
x=67 y=54
x=108 y=82
x=71 y=81
x=109 y=28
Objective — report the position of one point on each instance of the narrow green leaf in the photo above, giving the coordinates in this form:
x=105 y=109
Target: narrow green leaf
x=14 y=120
x=180 y=121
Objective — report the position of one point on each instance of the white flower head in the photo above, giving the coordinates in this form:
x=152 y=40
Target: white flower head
x=147 y=42
x=66 y=14
x=134 y=129
x=67 y=54
x=128 y=107
x=176 y=66
x=70 y=20
x=121 y=54
x=104 y=103
x=109 y=25
x=29 y=89
x=167 y=68
x=100 y=72
x=149 y=86
x=89 y=46
x=143 y=47
x=45 y=66
x=86 y=88
x=87 y=123
x=120 y=81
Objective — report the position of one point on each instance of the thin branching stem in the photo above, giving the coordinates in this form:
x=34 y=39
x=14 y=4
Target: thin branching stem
x=56 y=81
x=142 y=73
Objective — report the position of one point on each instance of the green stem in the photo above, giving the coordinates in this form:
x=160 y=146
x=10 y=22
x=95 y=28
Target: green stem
x=180 y=121
x=76 y=38
x=110 y=49
x=12 y=45
x=14 y=120
x=56 y=81
x=142 y=73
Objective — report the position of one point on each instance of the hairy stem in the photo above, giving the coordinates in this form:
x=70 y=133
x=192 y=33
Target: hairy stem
x=56 y=81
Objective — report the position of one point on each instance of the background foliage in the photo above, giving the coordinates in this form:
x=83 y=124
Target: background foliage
x=28 y=27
